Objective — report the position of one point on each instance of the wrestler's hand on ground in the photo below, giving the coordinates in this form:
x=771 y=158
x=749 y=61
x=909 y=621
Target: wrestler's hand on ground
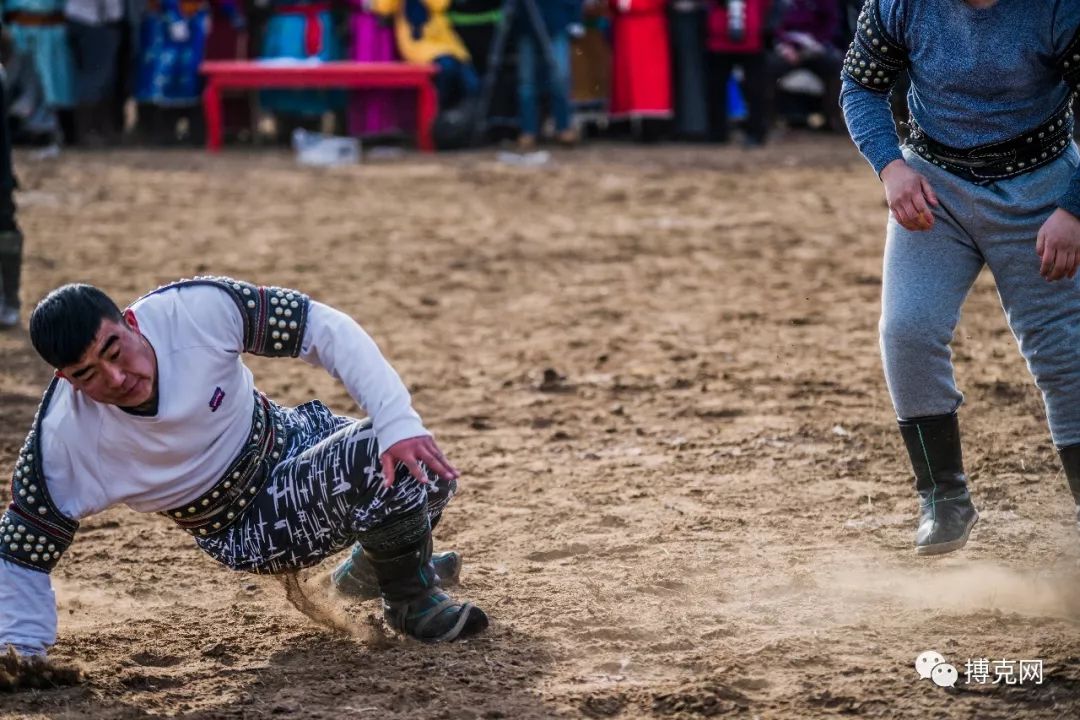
x=1059 y=246
x=909 y=196
x=411 y=453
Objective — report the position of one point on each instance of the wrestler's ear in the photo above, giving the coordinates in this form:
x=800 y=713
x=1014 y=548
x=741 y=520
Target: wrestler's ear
x=131 y=320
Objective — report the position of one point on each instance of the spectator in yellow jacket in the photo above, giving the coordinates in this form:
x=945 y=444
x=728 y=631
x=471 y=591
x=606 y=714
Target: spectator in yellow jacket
x=424 y=35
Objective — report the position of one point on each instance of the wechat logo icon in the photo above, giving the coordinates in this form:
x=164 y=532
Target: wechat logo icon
x=931 y=666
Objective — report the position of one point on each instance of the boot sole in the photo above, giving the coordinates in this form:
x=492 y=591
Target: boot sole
x=952 y=545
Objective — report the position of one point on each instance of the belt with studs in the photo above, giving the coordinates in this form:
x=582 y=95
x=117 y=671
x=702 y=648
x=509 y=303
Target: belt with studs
x=998 y=161
x=219 y=507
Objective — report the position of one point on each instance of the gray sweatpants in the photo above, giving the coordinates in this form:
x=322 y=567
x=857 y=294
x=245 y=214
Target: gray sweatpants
x=928 y=275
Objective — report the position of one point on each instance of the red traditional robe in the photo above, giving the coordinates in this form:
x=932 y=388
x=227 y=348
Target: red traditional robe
x=641 y=59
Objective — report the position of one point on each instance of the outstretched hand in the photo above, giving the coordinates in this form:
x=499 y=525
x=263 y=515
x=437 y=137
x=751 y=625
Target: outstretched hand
x=1058 y=245
x=411 y=453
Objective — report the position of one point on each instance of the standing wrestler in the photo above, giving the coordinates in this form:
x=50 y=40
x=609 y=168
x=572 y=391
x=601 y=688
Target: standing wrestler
x=11 y=238
x=153 y=408
x=988 y=176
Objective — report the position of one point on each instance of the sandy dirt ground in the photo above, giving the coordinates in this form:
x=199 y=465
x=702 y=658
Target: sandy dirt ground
x=683 y=496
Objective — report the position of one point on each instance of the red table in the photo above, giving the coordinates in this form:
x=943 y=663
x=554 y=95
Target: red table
x=240 y=74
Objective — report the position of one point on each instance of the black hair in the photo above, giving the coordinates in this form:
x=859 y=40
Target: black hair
x=64 y=324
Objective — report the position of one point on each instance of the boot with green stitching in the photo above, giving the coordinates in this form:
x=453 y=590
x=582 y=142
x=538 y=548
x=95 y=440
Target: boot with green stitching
x=946 y=513
x=1070 y=460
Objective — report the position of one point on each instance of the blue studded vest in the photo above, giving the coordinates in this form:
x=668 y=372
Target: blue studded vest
x=33 y=531
x=875 y=59
x=1069 y=62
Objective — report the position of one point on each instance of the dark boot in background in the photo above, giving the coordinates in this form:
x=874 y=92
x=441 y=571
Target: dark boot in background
x=946 y=513
x=11 y=247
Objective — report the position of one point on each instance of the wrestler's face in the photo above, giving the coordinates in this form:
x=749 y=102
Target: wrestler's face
x=119 y=366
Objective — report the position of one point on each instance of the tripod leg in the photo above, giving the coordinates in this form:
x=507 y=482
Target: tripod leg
x=496 y=56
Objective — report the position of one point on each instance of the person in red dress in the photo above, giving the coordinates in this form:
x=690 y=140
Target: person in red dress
x=641 y=60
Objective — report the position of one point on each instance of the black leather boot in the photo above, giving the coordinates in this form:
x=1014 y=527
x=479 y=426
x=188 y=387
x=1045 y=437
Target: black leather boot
x=946 y=514
x=355 y=576
x=413 y=602
x=11 y=247
x=1070 y=460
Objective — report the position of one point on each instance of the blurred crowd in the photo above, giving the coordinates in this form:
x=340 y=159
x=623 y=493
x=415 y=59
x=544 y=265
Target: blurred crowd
x=98 y=72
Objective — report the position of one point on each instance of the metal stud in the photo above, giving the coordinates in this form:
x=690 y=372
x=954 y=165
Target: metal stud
x=217 y=525
x=42 y=510
x=228 y=484
x=56 y=555
x=242 y=502
x=215 y=494
x=247 y=291
x=205 y=502
x=288 y=313
x=34 y=557
x=284 y=336
x=231 y=515
x=274 y=300
x=191 y=509
x=277 y=346
x=251 y=303
x=294 y=304
x=202 y=531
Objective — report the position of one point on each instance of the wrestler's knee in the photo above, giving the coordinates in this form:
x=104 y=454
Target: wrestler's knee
x=902 y=330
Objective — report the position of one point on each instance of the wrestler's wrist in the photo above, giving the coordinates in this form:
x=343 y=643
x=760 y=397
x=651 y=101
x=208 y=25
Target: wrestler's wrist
x=890 y=170
x=1072 y=213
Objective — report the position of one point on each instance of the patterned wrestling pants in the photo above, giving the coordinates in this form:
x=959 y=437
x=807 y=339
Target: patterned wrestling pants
x=326 y=490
